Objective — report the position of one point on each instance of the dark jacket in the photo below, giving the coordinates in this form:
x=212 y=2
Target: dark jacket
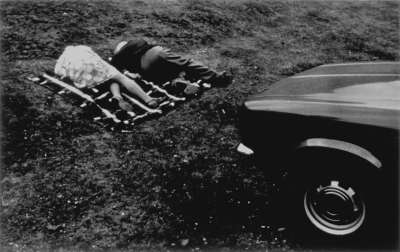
x=129 y=57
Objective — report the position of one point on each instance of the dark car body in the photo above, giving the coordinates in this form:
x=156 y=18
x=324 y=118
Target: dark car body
x=353 y=108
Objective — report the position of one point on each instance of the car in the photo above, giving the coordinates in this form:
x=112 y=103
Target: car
x=330 y=137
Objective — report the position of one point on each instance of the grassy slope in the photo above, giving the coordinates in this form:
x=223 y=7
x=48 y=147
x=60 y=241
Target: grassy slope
x=67 y=180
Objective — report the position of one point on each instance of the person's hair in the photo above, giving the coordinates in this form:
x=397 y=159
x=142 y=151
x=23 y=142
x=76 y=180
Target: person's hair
x=119 y=46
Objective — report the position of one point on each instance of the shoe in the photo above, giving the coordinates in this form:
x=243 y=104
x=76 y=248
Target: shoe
x=188 y=87
x=191 y=89
x=222 y=79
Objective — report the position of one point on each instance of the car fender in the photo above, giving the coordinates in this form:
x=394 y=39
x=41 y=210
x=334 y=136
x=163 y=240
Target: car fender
x=343 y=146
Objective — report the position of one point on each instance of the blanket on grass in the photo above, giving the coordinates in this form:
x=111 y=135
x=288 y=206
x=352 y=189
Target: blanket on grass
x=97 y=102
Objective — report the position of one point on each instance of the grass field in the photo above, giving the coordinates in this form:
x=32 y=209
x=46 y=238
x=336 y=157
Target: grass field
x=176 y=181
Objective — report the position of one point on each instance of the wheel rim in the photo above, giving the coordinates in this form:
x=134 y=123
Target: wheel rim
x=334 y=209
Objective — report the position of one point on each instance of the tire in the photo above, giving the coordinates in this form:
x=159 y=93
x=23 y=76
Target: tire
x=331 y=201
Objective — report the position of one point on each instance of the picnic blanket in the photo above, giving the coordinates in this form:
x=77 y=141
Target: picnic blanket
x=99 y=105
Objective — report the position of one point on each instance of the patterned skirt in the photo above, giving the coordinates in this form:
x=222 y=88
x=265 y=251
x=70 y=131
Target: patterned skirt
x=84 y=67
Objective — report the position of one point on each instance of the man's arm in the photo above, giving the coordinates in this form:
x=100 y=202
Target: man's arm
x=117 y=62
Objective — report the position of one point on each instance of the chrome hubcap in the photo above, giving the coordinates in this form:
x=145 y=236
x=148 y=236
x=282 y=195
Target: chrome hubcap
x=334 y=209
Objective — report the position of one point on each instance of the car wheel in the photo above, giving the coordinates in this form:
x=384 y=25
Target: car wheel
x=334 y=208
x=330 y=200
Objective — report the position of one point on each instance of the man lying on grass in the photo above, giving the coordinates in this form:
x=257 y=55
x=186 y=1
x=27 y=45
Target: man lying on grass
x=87 y=69
x=158 y=64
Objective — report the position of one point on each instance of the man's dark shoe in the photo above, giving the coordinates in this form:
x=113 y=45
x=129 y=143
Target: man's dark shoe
x=188 y=87
x=191 y=89
x=222 y=79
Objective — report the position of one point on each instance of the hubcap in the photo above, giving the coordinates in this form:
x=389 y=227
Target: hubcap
x=334 y=209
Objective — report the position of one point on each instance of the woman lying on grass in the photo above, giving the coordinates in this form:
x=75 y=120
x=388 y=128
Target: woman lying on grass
x=87 y=69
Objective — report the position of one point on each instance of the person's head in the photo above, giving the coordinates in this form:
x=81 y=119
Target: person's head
x=119 y=46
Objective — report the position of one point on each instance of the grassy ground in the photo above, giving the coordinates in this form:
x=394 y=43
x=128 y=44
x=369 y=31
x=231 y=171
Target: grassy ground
x=177 y=181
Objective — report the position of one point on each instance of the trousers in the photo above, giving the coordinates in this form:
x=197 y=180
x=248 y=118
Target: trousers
x=160 y=65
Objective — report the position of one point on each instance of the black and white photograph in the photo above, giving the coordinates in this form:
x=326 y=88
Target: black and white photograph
x=199 y=125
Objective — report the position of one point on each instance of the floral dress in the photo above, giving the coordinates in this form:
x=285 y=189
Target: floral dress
x=84 y=67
